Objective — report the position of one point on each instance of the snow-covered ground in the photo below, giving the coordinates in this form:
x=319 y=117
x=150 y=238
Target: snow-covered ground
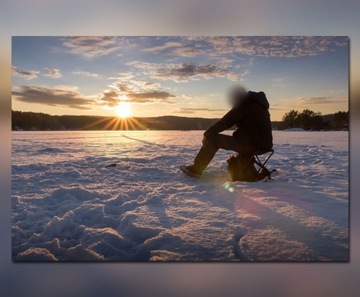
x=67 y=206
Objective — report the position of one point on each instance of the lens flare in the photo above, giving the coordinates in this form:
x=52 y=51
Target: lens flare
x=228 y=187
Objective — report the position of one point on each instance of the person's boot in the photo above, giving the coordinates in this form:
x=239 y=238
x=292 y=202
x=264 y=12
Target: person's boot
x=190 y=171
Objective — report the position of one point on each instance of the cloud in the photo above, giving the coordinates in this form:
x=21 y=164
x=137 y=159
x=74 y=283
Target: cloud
x=265 y=46
x=320 y=100
x=123 y=76
x=184 y=47
x=187 y=51
x=110 y=98
x=64 y=96
x=85 y=73
x=278 y=46
x=187 y=96
x=163 y=47
x=91 y=47
x=154 y=96
x=133 y=86
x=189 y=110
x=123 y=87
x=151 y=85
x=26 y=74
x=52 y=72
x=136 y=92
x=184 y=72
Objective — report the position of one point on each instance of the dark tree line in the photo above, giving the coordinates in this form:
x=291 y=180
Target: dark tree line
x=28 y=121
x=310 y=120
x=41 y=121
x=306 y=119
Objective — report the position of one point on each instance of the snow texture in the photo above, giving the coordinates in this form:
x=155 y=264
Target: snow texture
x=68 y=206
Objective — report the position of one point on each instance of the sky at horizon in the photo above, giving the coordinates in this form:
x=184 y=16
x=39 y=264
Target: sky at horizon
x=183 y=76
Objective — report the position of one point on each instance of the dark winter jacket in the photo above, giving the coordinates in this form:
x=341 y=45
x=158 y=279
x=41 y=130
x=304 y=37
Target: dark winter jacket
x=252 y=120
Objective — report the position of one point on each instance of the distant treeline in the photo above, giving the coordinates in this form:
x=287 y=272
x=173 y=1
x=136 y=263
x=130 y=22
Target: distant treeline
x=310 y=120
x=31 y=121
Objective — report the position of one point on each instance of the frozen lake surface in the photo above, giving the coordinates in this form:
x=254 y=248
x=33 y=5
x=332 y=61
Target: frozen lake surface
x=67 y=206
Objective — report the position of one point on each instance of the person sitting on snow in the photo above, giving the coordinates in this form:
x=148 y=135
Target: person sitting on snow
x=250 y=114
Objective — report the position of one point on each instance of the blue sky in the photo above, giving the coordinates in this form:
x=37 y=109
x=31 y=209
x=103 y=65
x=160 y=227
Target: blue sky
x=184 y=76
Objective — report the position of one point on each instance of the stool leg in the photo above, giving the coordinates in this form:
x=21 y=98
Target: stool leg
x=262 y=164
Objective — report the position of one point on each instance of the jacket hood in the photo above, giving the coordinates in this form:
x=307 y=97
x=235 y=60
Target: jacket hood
x=260 y=98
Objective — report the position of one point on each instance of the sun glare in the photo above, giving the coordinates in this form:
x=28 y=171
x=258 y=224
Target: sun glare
x=123 y=110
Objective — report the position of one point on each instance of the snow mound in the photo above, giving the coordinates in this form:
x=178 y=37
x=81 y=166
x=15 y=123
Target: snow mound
x=35 y=254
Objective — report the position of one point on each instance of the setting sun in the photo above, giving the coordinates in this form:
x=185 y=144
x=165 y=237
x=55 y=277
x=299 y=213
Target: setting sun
x=123 y=110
